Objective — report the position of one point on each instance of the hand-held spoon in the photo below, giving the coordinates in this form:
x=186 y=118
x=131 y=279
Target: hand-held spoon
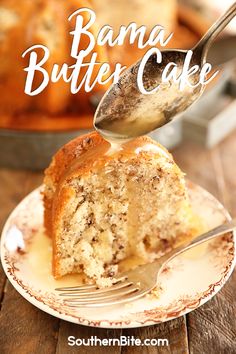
x=124 y=112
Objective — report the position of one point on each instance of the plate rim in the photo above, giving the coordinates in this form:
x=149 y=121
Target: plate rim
x=114 y=324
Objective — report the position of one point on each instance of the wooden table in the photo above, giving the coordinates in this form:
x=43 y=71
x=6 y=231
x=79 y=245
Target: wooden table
x=209 y=329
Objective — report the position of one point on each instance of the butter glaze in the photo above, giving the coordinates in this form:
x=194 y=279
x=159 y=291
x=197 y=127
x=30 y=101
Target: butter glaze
x=104 y=152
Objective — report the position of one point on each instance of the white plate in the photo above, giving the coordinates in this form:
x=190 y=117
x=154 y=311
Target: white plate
x=188 y=282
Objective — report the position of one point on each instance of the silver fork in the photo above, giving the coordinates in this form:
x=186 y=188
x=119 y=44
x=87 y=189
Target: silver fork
x=135 y=283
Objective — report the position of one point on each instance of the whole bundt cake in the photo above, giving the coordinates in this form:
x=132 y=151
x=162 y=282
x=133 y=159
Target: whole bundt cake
x=26 y=23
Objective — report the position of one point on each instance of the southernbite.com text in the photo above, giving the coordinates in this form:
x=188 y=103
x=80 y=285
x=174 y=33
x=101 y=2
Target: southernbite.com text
x=121 y=341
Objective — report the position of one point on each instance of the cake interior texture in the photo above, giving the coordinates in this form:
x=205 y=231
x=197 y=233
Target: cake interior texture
x=110 y=205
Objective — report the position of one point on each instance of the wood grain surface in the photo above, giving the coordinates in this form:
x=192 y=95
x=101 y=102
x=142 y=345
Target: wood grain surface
x=210 y=329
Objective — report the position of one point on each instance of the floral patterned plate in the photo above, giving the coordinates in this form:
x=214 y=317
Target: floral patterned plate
x=186 y=283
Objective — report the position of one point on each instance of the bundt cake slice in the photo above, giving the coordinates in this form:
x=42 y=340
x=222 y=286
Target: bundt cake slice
x=104 y=204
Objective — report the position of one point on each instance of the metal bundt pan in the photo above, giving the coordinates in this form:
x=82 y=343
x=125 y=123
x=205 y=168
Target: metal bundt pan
x=31 y=150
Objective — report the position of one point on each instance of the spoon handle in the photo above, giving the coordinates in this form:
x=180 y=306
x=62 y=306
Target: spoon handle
x=202 y=47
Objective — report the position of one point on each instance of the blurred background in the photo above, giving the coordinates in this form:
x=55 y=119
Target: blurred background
x=33 y=128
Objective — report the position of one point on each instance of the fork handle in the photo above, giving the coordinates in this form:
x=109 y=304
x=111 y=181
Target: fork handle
x=217 y=231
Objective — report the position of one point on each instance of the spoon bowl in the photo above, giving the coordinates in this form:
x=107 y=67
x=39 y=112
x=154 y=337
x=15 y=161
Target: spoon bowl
x=125 y=113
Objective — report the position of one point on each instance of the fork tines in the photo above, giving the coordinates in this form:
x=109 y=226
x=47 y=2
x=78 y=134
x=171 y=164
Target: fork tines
x=91 y=295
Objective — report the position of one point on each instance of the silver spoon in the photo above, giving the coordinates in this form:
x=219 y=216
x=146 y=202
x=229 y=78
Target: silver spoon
x=124 y=112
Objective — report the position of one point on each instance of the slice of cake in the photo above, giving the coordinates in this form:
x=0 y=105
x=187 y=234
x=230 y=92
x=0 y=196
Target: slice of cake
x=104 y=204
